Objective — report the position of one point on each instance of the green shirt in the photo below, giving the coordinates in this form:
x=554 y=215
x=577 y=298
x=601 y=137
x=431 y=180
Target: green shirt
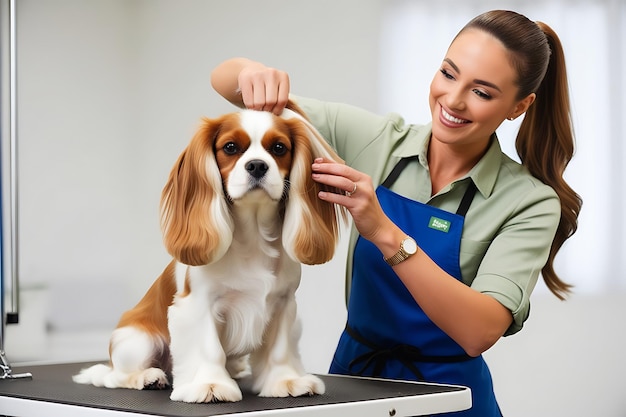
x=510 y=225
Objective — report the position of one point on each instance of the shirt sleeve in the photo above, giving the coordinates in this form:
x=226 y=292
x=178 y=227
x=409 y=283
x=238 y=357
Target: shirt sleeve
x=512 y=264
x=360 y=137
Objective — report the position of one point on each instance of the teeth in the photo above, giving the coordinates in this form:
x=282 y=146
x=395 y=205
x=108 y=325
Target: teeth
x=450 y=118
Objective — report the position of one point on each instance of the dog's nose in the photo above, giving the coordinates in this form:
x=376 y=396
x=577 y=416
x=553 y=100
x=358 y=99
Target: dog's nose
x=257 y=168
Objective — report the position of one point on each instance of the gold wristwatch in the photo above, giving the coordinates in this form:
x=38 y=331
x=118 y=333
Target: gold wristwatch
x=408 y=248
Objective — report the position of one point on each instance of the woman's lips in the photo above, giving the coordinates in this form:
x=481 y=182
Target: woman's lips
x=450 y=120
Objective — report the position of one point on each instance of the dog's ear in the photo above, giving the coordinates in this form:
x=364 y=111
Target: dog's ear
x=311 y=227
x=195 y=217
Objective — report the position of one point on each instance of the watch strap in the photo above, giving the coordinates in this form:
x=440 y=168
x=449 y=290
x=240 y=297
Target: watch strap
x=402 y=254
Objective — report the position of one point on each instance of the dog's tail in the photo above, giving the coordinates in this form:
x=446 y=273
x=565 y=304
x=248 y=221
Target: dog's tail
x=94 y=375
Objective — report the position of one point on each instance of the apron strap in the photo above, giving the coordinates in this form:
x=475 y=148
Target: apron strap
x=466 y=201
x=406 y=354
x=395 y=173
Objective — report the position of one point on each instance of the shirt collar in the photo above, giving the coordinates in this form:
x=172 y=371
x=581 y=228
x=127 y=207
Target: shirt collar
x=484 y=173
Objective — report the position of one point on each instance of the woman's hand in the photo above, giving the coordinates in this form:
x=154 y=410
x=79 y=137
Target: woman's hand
x=361 y=201
x=264 y=88
x=252 y=85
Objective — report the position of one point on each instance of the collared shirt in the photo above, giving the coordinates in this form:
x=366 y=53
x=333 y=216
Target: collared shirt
x=509 y=227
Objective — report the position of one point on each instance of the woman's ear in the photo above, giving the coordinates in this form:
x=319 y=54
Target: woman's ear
x=522 y=106
x=195 y=217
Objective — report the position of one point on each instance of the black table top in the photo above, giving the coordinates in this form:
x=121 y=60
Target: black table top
x=53 y=383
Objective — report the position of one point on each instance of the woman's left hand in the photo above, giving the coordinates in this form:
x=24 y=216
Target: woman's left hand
x=359 y=196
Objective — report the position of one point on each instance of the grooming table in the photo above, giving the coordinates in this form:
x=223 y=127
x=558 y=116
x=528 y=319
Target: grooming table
x=51 y=392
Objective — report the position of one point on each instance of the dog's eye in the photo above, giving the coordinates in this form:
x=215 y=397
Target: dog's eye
x=231 y=148
x=278 y=149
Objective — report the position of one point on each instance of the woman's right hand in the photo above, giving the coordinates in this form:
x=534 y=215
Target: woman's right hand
x=264 y=88
x=252 y=85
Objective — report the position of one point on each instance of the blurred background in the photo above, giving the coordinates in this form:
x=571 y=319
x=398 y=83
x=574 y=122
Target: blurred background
x=111 y=91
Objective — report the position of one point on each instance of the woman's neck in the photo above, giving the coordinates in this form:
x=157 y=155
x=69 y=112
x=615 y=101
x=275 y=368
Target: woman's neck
x=448 y=163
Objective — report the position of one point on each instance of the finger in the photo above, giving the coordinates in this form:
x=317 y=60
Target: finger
x=270 y=90
x=282 y=96
x=335 y=198
x=259 y=96
x=352 y=191
x=247 y=93
x=276 y=93
x=271 y=101
x=342 y=185
x=333 y=168
x=253 y=87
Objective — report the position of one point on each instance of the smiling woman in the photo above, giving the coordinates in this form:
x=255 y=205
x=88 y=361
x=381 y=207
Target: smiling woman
x=470 y=96
x=592 y=261
x=597 y=105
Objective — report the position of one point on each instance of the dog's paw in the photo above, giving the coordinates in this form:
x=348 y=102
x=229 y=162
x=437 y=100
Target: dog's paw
x=225 y=390
x=105 y=376
x=152 y=378
x=295 y=387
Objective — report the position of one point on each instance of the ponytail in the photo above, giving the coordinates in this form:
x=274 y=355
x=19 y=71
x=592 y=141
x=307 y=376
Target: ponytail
x=545 y=145
x=545 y=141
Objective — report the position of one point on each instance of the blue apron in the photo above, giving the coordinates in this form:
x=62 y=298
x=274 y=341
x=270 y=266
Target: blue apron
x=388 y=335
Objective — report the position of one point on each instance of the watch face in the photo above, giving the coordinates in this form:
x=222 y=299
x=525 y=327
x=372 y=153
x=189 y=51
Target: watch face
x=409 y=246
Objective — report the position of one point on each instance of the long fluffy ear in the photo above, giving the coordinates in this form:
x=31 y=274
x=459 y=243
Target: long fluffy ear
x=311 y=227
x=195 y=217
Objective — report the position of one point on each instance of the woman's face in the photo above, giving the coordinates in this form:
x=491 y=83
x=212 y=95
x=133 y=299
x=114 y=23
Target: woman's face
x=474 y=91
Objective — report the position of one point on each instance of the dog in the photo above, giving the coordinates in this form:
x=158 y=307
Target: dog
x=239 y=215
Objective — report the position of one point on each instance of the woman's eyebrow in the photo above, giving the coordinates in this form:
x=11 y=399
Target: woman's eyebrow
x=477 y=81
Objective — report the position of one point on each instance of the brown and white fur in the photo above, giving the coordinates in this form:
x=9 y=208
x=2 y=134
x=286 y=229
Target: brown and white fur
x=240 y=213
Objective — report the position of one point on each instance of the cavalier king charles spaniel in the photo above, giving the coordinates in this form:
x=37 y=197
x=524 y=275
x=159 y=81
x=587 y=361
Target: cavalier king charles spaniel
x=239 y=215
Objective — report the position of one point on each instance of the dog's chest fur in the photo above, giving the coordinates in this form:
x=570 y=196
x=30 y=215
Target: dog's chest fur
x=243 y=288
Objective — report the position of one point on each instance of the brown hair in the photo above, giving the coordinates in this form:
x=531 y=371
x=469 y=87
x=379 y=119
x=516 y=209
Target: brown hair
x=545 y=141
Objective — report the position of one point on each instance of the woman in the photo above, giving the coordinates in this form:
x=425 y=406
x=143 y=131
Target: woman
x=450 y=234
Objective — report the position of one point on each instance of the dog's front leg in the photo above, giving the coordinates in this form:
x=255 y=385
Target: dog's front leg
x=198 y=358
x=276 y=366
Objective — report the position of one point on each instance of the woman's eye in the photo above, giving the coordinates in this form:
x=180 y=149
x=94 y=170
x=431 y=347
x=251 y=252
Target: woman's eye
x=446 y=74
x=482 y=94
x=278 y=149
x=231 y=148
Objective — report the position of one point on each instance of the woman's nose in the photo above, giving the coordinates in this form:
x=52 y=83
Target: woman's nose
x=455 y=99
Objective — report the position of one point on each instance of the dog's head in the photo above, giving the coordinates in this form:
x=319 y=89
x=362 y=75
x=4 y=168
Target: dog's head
x=244 y=156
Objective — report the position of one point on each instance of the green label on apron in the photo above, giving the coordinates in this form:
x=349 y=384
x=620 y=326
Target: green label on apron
x=439 y=224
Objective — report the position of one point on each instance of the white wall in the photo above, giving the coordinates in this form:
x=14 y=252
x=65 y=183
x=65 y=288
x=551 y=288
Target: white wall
x=567 y=361
x=110 y=92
